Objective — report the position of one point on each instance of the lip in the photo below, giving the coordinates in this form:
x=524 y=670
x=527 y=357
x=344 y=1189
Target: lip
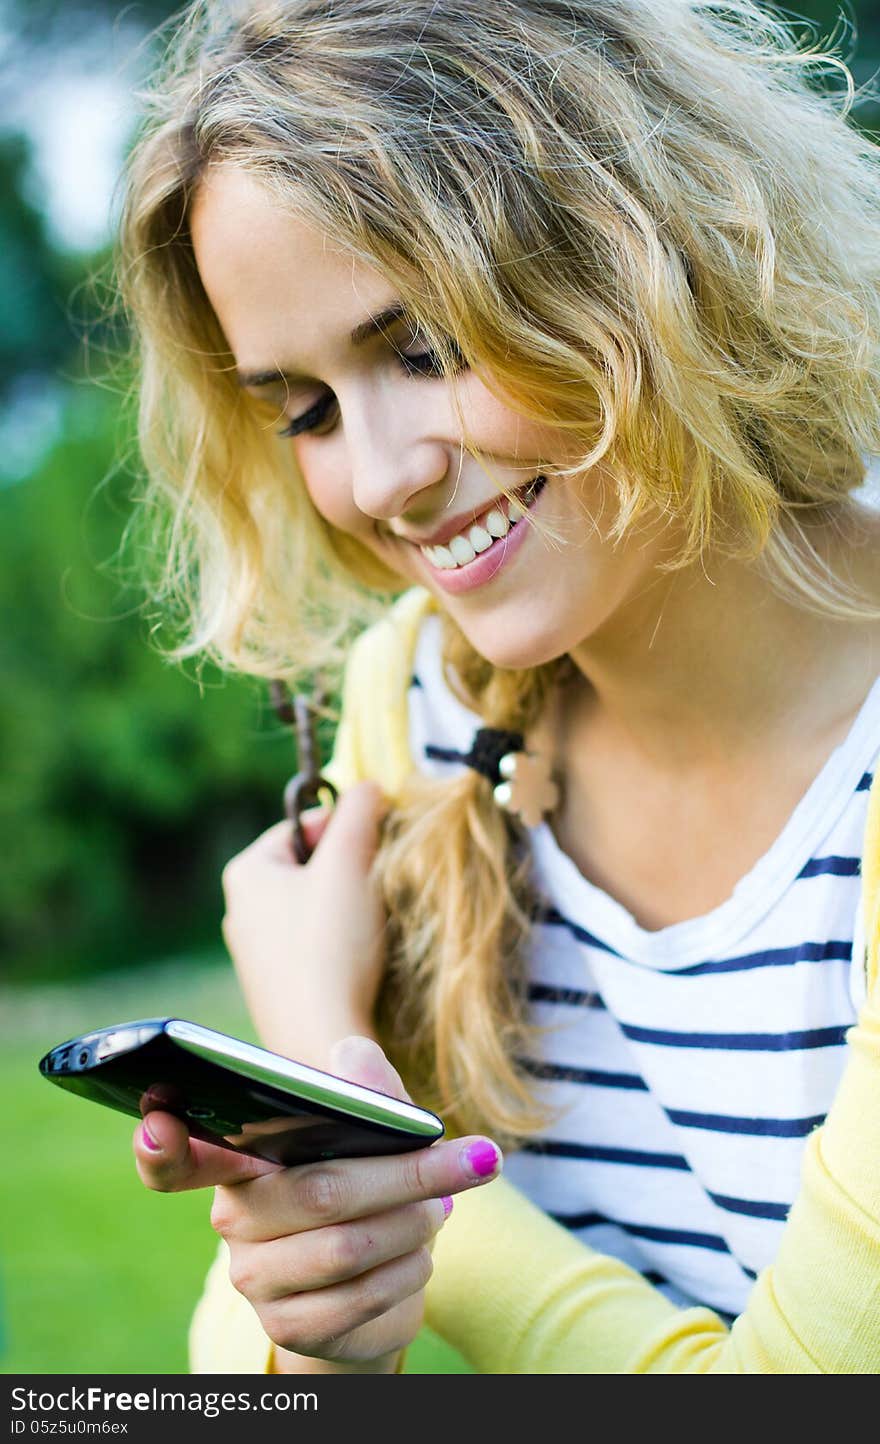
x=486 y=565
x=457 y=523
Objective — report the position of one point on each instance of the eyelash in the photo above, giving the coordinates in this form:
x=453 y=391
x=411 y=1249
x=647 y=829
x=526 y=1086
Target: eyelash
x=427 y=364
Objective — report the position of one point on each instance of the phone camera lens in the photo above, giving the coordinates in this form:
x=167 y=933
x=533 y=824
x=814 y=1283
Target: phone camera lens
x=83 y=1058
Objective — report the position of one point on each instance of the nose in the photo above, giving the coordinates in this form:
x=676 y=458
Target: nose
x=395 y=458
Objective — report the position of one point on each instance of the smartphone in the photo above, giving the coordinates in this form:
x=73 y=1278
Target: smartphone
x=235 y=1094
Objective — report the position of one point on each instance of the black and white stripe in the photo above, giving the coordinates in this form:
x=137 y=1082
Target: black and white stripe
x=687 y=1066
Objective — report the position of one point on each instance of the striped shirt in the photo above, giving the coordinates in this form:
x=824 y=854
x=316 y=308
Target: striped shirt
x=685 y=1066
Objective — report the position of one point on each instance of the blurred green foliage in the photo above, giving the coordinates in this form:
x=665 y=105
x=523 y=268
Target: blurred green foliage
x=125 y=786
x=35 y=279
x=125 y=789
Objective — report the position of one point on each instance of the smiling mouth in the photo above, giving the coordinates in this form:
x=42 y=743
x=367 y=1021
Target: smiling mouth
x=491 y=527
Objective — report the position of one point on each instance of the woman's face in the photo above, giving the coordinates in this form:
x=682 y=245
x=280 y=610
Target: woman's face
x=382 y=451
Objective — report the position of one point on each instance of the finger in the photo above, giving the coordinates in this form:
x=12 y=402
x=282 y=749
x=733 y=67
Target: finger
x=315 y=1195
x=355 y=817
x=276 y=843
x=170 y=1161
x=319 y=1324
x=361 y=1060
x=352 y=832
x=272 y=1269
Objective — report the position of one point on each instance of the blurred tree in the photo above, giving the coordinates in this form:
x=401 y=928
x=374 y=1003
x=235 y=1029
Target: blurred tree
x=36 y=280
x=124 y=789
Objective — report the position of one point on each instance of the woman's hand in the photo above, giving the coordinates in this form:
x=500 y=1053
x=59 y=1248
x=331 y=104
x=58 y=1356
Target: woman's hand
x=307 y=939
x=332 y=1256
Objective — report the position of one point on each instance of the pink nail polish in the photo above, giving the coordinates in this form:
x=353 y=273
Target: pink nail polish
x=481 y=1160
x=447 y=1206
x=149 y=1141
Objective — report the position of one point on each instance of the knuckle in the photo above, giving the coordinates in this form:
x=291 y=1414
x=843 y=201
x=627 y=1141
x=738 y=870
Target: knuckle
x=293 y=1324
x=223 y=1213
x=342 y=1251
x=278 y=1324
x=424 y=1266
x=303 y=1341
x=241 y=1273
x=323 y=1194
x=430 y=1224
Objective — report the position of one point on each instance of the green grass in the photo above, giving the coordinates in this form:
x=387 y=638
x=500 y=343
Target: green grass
x=98 y=1274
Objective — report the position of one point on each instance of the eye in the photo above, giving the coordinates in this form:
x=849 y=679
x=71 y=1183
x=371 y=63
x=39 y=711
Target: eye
x=422 y=363
x=309 y=419
x=428 y=362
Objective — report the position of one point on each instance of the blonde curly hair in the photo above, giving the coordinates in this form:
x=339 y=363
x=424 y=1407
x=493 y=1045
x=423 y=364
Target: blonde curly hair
x=648 y=224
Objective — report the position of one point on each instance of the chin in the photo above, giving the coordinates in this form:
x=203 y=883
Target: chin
x=517 y=649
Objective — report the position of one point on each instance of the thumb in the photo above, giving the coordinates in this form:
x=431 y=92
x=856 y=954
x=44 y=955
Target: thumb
x=360 y=1060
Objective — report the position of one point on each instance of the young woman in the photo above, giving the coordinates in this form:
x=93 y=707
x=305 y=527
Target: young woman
x=562 y=321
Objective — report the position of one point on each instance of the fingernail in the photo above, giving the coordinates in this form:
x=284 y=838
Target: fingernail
x=149 y=1140
x=481 y=1160
x=447 y=1206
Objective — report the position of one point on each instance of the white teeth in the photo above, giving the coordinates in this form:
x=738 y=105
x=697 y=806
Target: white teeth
x=479 y=539
x=497 y=523
x=462 y=550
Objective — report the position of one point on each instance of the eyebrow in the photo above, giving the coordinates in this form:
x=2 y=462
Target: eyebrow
x=373 y=326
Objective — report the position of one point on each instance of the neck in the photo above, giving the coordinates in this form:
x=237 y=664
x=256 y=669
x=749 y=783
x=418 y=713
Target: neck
x=705 y=665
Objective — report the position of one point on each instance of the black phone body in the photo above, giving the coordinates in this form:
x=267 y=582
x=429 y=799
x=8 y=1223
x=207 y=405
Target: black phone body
x=235 y=1094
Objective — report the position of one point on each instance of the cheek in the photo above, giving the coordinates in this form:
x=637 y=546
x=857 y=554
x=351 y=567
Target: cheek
x=331 y=496
x=495 y=428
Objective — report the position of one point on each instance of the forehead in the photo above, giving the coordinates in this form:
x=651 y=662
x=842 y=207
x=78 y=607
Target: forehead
x=282 y=289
